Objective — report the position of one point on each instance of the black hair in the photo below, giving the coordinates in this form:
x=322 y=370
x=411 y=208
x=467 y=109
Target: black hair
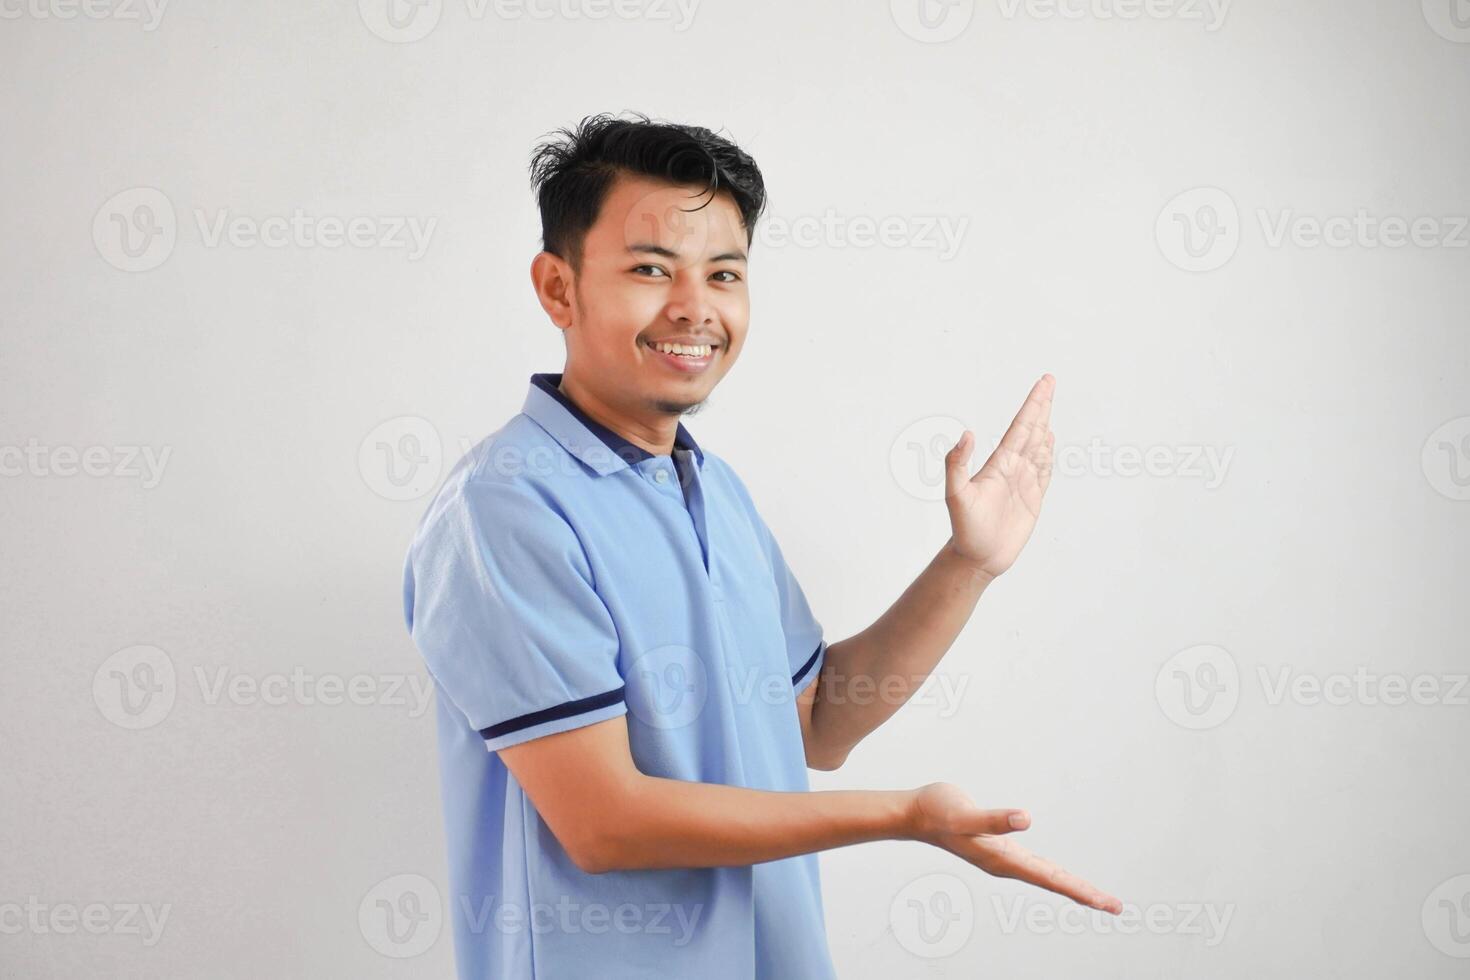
x=572 y=172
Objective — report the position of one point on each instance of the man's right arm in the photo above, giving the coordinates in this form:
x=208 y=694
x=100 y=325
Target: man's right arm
x=609 y=816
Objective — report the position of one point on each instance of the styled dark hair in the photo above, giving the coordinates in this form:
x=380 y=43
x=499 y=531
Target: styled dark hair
x=573 y=170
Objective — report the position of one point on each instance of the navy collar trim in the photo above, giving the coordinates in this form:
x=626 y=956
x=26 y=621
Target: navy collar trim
x=625 y=450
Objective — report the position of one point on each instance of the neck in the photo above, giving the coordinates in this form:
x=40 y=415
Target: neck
x=652 y=431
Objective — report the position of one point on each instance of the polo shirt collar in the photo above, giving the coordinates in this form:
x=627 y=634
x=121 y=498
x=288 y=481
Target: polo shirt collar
x=583 y=436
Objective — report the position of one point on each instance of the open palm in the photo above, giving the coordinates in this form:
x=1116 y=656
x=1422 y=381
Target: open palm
x=992 y=513
x=946 y=817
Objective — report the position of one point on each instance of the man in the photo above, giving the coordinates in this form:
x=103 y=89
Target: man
x=630 y=683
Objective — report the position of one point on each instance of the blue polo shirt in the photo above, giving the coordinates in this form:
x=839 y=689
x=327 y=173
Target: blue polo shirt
x=563 y=576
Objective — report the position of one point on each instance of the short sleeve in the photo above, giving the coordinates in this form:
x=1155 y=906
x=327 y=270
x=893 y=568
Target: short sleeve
x=805 y=648
x=499 y=599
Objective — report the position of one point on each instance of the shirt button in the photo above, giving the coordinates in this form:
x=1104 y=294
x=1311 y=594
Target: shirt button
x=661 y=476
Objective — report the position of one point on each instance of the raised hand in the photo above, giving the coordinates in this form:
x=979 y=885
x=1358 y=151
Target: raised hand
x=945 y=817
x=992 y=513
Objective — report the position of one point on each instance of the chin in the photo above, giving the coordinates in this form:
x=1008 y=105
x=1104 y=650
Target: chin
x=679 y=399
x=678 y=402
x=677 y=407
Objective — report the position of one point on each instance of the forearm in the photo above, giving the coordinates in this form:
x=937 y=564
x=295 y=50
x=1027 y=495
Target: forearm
x=869 y=676
x=669 y=823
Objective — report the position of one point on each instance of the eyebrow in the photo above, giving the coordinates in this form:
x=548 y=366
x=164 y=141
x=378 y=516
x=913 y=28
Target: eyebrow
x=652 y=249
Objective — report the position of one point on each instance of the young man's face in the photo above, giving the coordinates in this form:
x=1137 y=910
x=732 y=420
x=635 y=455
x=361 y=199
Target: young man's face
x=656 y=271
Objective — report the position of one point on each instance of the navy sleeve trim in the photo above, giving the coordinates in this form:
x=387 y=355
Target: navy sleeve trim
x=796 y=677
x=555 y=713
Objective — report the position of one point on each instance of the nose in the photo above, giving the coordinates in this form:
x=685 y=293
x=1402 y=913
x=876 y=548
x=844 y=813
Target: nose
x=689 y=303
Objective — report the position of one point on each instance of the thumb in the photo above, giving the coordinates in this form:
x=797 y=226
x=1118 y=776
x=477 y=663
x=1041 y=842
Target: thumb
x=957 y=464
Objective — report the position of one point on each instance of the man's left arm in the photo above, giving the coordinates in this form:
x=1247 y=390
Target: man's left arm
x=867 y=677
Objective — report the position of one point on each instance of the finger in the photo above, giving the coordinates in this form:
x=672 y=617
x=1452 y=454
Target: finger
x=1051 y=393
x=1047 y=461
x=1022 y=425
x=957 y=463
x=1036 y=437
x=990 y=822
x=1004 y=857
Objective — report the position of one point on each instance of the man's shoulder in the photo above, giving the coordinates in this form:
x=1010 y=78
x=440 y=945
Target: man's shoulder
x=508 y=471
x=520 y=452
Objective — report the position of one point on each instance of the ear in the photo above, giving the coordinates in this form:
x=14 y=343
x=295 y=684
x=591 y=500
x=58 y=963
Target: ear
x=551 y=277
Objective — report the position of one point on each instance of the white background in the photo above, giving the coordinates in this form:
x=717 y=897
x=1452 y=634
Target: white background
x=1327 y=837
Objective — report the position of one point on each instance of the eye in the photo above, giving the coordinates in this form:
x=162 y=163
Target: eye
x=735 y=276
x=655 y=268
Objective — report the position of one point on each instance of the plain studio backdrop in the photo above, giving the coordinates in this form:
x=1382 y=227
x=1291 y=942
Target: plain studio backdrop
x=265 y=279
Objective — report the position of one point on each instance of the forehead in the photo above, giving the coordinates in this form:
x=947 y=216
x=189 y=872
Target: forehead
x=683 y=218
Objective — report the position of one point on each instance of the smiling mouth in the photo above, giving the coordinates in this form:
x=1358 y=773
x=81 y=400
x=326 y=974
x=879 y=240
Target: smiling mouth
x=691 y=351
x=688 y=360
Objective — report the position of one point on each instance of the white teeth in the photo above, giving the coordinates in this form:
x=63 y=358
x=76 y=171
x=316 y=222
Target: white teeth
x=687 y=350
